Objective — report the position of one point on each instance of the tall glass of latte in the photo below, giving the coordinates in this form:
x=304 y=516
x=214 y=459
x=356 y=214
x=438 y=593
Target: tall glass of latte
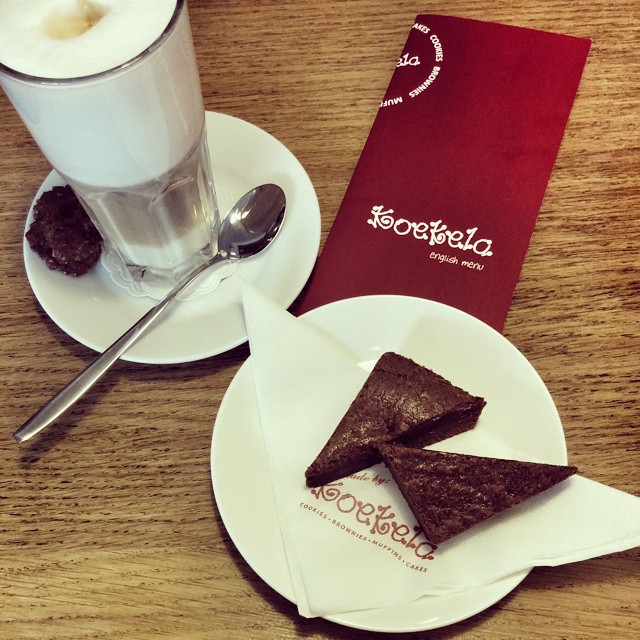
x=110 y=91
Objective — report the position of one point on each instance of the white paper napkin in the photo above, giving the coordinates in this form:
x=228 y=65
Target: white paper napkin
x=354 y=544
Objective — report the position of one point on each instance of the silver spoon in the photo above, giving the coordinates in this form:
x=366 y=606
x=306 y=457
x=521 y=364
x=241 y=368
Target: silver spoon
x=248 y=228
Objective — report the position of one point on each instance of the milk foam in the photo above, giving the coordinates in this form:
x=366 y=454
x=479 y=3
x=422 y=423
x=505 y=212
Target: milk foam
x=120 y=129
x=73 y=38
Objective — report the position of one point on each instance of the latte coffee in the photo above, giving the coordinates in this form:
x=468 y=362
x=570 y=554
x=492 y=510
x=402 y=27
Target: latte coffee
x=110 y=91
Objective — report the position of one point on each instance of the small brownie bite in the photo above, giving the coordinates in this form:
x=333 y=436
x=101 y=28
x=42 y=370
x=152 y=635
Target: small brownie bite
x=62 y=233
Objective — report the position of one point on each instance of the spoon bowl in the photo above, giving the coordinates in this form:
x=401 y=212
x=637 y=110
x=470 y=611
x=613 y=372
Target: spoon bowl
x=248 y=229
x=253 y=222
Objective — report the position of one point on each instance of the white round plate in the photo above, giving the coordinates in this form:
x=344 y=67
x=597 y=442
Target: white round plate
x=519 y=413
x=95 y=311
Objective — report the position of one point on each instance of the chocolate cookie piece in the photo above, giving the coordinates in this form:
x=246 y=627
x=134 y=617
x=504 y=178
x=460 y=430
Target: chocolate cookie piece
x=401 y=401
x=450 y=493
x=62 y=233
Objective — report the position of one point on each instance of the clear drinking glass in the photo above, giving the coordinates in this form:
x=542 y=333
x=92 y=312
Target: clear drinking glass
x=131 y=142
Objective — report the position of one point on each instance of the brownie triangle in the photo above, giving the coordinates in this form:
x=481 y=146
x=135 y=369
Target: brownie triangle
x=400 y=401
x=449 y=493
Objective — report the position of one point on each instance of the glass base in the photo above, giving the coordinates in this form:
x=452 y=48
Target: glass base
x=170 y=276
x=154 y=286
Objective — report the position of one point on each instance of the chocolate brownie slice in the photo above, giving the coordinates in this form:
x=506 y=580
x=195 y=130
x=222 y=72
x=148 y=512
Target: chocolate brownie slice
x=400 y=401
x=449 y=493
x=62 y=233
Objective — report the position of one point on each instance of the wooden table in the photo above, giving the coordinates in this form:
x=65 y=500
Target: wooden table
x=108 y=526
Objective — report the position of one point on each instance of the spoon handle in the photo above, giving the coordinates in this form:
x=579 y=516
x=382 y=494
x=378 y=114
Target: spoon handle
x=75 y=389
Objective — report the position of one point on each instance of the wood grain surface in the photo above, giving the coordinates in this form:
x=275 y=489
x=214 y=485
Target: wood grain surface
x=108 y=526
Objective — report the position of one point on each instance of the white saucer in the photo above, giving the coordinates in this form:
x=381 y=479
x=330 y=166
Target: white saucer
x=95 y=311
x=520 y=414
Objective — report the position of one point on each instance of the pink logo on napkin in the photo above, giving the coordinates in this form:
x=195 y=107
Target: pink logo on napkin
x=377 y=524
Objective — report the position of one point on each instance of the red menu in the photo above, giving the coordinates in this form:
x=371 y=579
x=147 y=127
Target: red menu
x=445 y=195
